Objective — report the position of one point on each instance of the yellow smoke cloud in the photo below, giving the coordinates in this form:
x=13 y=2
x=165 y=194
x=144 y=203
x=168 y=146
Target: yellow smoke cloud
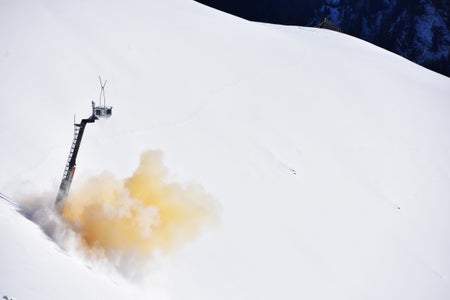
x=141 y=214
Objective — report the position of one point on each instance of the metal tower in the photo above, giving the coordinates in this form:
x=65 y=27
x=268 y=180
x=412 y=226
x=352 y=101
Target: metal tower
x=100 y=111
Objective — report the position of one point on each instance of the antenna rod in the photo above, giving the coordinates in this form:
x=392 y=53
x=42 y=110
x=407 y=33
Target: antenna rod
x=104 y=95
x=102 y=91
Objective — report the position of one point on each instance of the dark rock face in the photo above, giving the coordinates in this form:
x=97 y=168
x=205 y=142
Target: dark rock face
x=419 y=30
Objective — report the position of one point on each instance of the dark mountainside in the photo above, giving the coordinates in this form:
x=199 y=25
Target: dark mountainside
x=418 y=30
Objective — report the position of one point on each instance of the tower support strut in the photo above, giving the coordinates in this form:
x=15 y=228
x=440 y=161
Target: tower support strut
x=69 y=170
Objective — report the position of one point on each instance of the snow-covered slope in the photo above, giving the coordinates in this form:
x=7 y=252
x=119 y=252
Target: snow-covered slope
x=35 y=268
x=416 y=30
x=329 y=157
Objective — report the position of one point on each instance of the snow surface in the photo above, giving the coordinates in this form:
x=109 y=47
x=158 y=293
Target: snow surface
x=330 y=157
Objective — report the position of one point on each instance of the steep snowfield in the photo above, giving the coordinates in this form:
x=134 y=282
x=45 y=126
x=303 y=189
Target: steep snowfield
x=35 y=268
x=329 y=157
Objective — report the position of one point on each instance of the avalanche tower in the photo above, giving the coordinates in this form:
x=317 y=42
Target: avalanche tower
x=100 y=111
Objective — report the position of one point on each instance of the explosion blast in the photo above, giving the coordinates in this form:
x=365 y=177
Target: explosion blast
x=141 y=214
x=125 y=223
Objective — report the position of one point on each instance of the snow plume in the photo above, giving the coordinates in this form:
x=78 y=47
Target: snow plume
x=128 y=222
